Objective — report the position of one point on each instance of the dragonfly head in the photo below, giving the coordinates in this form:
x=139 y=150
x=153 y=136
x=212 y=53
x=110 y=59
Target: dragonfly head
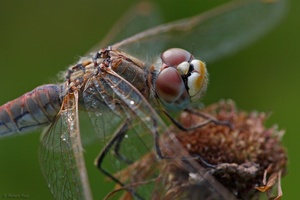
x=181 y=79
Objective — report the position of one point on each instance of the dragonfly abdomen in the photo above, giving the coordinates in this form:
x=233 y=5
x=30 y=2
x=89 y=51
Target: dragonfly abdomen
x=31 y=111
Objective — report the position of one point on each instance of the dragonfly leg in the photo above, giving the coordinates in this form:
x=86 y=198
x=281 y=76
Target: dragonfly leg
x=118 y=143
x=204 y=162
x=209 y=119
x=116 y=140
x=156 y=142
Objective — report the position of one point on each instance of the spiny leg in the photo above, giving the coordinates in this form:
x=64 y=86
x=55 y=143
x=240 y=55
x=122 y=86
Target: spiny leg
x=213 y=120
x=118 y=143
x=209 y=119
x=116 y=138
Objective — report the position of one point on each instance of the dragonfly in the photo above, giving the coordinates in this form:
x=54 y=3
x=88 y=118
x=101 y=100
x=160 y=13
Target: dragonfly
x=126 y=89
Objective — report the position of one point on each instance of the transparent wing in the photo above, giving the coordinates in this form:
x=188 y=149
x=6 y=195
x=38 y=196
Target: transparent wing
x=210 y=35
x=112 y=101
x=138 y=18
x=61 y=156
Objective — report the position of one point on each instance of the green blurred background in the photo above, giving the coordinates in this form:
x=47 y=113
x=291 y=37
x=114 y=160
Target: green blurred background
x=39 y=39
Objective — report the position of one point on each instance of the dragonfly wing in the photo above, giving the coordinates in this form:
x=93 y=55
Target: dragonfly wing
x=61 y=156
x=213 y=34
x=108 y=111
x=112 y=101
x=139 y=17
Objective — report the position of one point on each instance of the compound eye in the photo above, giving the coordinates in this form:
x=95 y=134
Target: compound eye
x=169 y=85
x=197 y=81
x=175 y=56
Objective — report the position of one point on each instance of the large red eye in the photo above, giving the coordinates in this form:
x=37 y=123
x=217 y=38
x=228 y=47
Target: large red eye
x=169 y=85
x=175 y=56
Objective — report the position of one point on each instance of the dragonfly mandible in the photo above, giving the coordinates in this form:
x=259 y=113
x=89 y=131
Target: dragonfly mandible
x=118 y=89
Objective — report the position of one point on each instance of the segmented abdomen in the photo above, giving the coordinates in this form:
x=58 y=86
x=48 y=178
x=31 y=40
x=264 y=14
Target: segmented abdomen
x=31 y=111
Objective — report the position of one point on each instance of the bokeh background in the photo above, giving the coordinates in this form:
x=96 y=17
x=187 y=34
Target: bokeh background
x=39 y=39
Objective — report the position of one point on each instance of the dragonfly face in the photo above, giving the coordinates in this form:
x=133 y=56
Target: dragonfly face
x=120 y=90
x=181 y=79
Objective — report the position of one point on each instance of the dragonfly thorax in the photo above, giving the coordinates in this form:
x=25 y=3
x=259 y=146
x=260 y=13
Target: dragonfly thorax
x=106 y=69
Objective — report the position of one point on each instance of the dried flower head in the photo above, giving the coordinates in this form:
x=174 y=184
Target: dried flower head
x=246 y=158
